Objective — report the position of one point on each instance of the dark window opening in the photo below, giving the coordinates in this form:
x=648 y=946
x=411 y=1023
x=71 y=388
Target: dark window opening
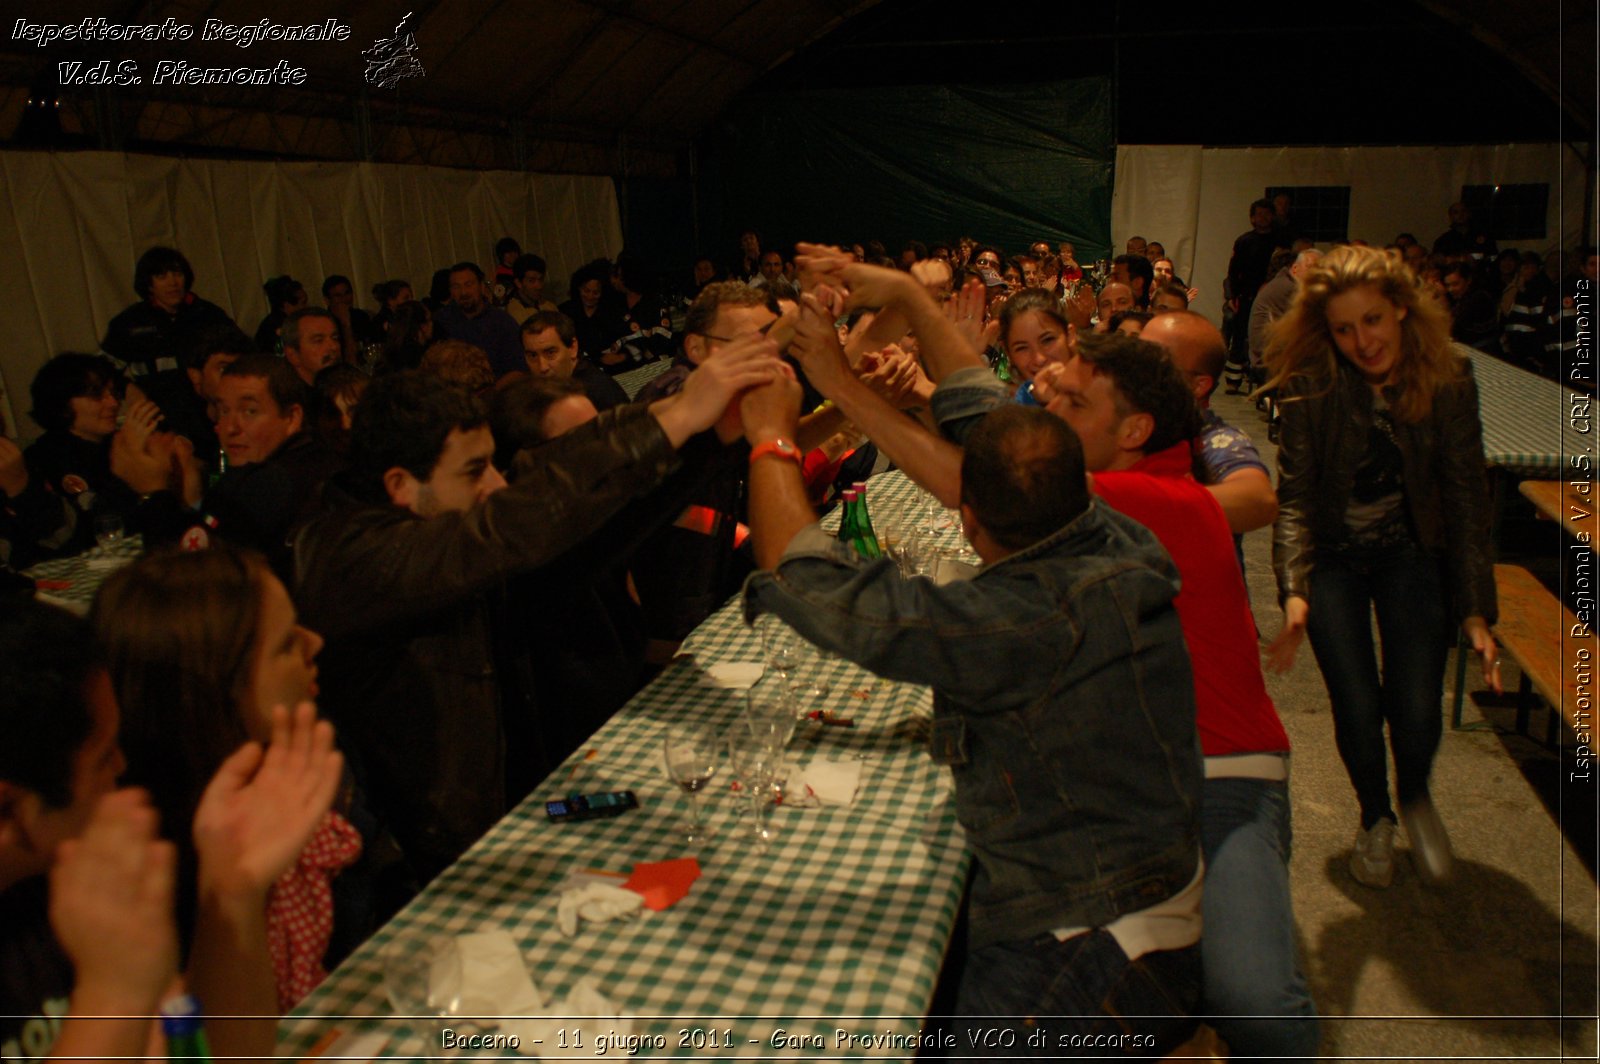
x=1319 y=212
x=1508 y=212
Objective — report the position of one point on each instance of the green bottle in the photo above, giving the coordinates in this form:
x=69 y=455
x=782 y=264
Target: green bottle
x=186 y=1034
x=871 y=548
x=847 y=517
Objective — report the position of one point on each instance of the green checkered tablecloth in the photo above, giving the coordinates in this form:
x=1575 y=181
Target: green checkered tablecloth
x=1528 y=426
x=842 y=923
x=83 y=574
x=634 y=380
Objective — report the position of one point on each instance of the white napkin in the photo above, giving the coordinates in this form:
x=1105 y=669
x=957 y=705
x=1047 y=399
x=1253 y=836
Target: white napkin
x=596 y=903
x=735 y=675
x=541 y=1035
x=826 y=783
x=483 y=975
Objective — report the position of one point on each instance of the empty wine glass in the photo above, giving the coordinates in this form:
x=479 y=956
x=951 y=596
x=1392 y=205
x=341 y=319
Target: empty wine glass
x=781 y=644
x=691 y=756
x=108 y=530
x=422 y=976
x=752 y=754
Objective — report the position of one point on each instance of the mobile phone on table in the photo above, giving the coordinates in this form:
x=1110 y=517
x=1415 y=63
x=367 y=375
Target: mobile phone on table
x=590 y=806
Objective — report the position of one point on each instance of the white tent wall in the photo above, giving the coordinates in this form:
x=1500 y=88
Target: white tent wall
x=1196 y=201
x=77 y=222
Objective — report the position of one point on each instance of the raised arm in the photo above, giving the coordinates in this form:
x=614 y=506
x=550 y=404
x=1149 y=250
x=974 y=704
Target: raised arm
x=932 y=462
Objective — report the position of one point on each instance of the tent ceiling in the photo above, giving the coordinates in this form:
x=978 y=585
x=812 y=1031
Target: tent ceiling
x=577 y=85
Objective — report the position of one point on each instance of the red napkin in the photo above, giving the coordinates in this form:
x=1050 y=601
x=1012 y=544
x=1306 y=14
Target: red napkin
x=663 y=883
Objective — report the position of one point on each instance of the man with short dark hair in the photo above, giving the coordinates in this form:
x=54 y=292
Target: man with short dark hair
x=310 y=342
x=1138 y=274
x=1130 y=403
x=770 y=269
x=1169 y=298
x=187 y=396
x=550 y=350
x=399 y=575
x=1474 y=316
x=151 y=334
x=1464 y=238
x=1247 y=272
x=275 y=467
x=470 y=316
x=527 y=281
x=1059 y=674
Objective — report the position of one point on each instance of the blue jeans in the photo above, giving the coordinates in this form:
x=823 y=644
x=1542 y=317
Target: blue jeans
x=1083 y=994
x=1249 y=945
x=1413 y=624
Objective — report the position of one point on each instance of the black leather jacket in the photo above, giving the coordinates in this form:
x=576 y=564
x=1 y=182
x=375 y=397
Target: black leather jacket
x=1324 y=436
x=409 y=671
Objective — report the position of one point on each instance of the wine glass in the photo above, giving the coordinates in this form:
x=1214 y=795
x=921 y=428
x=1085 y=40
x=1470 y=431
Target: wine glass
x=781 y=645
x=753 y=755
x=108 y=531
x=691 y=755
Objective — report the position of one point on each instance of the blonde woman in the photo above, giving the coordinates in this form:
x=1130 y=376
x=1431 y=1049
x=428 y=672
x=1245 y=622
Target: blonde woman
x=1382 y=505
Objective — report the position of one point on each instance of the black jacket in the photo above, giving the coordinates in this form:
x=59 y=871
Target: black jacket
x=409 y=672
x=144 y=334
x=258 y=505
x=1323 y=438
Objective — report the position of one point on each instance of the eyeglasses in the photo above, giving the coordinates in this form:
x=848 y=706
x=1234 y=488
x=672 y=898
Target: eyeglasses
x=729 y=339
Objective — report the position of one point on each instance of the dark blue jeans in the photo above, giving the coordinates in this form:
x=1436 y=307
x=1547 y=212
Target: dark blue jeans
x=1081 y=997
x=1413 y=625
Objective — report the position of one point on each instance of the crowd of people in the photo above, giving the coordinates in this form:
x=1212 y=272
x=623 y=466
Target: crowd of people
x=443 y=532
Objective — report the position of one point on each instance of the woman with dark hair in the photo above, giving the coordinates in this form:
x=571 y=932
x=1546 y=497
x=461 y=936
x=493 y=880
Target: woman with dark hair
x=390 y=296
x=647 y=330
x=746 y=265
x=285 y=295
x=506 y=253
x=355 y=325
x=206 y=654
x=1033 y=332
x=149 y=335
x=339 y=388
x=410 y=333
x=596 y=322
x=76 y=401
x=1381 y=504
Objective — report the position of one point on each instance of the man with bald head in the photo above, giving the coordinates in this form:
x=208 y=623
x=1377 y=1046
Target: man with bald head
x=1234 y=471
x=1113 y=297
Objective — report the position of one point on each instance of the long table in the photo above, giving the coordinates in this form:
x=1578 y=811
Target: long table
x=1528 y=427
x=842 y=923
x=71 y=582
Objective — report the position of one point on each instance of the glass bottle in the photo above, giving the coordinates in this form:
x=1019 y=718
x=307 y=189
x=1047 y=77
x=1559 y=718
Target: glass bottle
x=186 y=1034
x=870 y=547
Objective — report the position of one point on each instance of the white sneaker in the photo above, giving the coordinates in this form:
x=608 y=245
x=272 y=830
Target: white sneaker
x=1372 y=860
x=1430 y=843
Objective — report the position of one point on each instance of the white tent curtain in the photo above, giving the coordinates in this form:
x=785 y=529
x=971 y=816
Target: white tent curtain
x=1195 y=200
x=77 y=222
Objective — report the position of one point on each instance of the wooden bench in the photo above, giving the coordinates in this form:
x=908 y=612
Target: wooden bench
x=1536 y=631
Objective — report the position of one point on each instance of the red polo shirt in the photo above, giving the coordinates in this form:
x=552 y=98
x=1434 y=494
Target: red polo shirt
x=1232 y=708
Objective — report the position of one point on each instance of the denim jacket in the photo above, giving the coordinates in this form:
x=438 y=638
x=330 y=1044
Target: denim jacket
x=1063 y=704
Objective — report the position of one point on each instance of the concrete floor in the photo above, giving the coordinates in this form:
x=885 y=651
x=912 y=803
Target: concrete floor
x=1501 y=964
